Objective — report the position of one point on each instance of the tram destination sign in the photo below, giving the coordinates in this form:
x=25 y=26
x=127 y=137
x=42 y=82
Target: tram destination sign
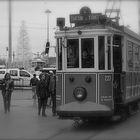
x=79 y=18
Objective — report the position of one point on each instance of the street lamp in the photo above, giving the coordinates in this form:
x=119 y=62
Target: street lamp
x=48 y=43
x=10 y=34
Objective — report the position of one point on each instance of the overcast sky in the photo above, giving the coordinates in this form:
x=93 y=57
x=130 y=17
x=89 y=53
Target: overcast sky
x=33 y=13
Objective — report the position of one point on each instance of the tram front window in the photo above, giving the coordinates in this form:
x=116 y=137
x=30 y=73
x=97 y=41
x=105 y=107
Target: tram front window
x=72 y=53
x=87 y=48
x=101 y=51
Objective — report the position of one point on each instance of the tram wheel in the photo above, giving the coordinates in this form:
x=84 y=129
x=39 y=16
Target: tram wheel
x=124 y=114
x=130 y=109
x=133 y=108
x=138 y=104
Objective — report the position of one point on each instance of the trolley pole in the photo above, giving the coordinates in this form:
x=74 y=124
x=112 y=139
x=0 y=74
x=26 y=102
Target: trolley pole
x=10 y=34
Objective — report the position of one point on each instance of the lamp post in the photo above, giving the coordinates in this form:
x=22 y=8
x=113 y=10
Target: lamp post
x=48 y=43
x=139 y=15
x=7 y=58
x=10 y=35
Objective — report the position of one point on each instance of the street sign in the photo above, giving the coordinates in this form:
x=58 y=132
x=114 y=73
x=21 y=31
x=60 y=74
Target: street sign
x=78 y=18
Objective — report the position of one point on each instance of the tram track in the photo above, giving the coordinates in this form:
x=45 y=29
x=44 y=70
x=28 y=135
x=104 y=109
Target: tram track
x=98 y=132
x=58 y=133
x=82 y=132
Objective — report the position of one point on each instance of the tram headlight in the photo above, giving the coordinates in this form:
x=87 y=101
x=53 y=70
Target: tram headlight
x=80 y=93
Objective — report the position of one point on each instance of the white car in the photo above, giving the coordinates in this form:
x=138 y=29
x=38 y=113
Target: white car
x=21 y=77
x=48 y=69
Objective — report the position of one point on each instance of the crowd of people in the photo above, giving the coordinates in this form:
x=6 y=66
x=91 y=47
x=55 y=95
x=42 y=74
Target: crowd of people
x=43 y=88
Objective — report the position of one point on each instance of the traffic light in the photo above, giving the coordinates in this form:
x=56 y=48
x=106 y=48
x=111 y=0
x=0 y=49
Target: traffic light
x=47 y=48
x=61 y=22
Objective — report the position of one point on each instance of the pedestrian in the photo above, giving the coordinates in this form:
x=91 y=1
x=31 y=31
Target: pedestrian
x=52 y=90
x=33 y=83
x=42 y=94
x=47 y=79
x=7 y=89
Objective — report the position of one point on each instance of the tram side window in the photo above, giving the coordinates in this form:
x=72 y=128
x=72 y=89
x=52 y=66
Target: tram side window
x=59 y=44
x=101 y=51
x=130 y=55
x=109 y=52
x=136 y=57
x=72 y=53
x=87 y=47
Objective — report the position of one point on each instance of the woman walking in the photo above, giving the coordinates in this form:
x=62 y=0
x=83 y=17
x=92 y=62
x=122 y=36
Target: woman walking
x=7 y=89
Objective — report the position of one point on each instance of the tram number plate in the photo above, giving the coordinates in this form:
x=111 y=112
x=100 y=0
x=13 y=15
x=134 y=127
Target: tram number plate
x=107 y=78
x=58 y=97
x=106 y=98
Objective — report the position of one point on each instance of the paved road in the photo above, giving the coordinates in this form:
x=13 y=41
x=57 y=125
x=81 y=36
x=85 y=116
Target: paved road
x=24 y=123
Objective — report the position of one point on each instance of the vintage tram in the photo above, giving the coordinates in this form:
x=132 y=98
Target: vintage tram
x=98 y=67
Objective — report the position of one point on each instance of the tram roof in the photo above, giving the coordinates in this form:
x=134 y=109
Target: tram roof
x=85 y=20
x=118 y=29
x=131 y=33
x=97 y=27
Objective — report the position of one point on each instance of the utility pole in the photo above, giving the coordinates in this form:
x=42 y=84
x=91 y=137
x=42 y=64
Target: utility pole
x=139 y=15
x=48 y=43
x=10 y=34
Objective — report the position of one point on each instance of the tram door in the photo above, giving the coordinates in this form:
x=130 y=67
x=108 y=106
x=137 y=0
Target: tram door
x=117 y=64
x=117 y=54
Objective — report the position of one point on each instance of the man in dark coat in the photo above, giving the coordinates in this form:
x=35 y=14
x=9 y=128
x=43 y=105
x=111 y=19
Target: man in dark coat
x=7 y=89
x=52 y=90
x=33 y=83
x=42 y=94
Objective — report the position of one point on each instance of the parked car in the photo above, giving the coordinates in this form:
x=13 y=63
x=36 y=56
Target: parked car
x=21 y=77
x=46 y=70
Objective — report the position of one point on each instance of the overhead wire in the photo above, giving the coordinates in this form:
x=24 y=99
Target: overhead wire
x=113 y=4
x=107 y=6
x=121 y=17
x=112 y=8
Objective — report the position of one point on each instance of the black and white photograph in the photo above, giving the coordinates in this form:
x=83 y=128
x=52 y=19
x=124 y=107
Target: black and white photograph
x=69 y=69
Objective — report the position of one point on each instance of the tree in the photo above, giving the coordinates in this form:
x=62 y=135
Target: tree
x=23 y=48
x=2 y=61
